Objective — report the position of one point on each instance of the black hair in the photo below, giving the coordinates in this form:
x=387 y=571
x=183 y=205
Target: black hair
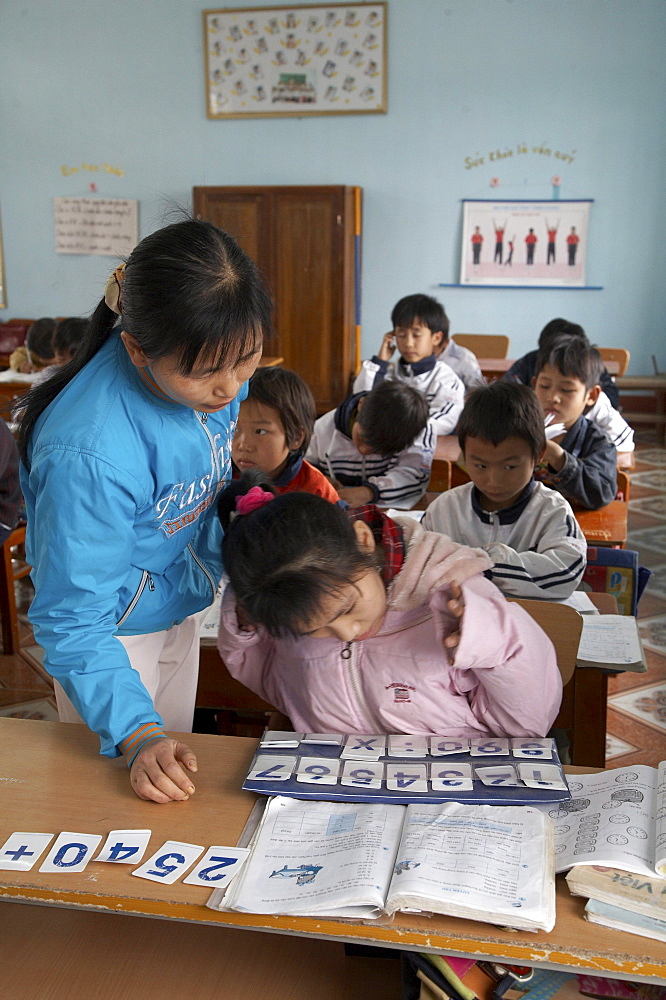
x=392 y=416
x=558 y=328
x=502 y=410
x=425 y=308
x=290 y=395
x=39 y=338
x=575 y=358
x=188 y=291
x=69 y=335
x=287 y=558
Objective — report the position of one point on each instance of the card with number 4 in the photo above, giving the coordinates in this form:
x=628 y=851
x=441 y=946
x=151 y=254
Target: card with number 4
x=124 y=847
x=218 y=866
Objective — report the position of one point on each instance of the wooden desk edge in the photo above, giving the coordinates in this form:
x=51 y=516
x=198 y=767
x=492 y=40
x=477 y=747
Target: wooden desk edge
x=480 y=945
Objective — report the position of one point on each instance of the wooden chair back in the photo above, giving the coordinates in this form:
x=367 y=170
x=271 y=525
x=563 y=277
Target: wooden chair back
x=11 y=570
x=623 y=486
x=563 y=626
x=620 y=355
x=484 y=345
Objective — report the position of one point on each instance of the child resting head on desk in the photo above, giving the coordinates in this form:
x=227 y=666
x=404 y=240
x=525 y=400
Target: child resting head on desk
x=353 y=622
x=580 y=460
x=528 y=530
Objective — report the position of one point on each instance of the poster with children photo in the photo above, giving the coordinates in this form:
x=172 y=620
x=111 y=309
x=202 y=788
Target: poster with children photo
x=524 y=242
x=321 y=59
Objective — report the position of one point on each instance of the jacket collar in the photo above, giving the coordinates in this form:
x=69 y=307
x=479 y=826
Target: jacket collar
x=291 y=469
x=574 y=439
x=345 y=414
x=508 y=515
x=420 y=368
x=387 y=534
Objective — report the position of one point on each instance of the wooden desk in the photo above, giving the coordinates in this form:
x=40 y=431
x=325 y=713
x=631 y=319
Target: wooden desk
x=656 y=384
x=9 y=393
x=65 y=954
x=269 y=362
x=53 y=779
x=493 y=368
x=606 y=526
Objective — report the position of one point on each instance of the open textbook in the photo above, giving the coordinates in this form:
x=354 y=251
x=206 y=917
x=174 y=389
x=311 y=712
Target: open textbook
x=611 y=641
x=361 y=860
x=615 y=818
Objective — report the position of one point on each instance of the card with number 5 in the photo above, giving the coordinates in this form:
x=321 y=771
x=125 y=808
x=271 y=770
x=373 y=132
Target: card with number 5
x=170 y=862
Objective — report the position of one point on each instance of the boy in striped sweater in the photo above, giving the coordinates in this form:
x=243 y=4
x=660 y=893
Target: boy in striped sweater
x=529 y=530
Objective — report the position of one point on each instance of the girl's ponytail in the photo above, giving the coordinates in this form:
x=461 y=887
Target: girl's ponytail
x=28 y=409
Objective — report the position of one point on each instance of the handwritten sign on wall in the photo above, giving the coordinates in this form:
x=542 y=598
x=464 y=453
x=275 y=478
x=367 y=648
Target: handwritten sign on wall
x=104 y=226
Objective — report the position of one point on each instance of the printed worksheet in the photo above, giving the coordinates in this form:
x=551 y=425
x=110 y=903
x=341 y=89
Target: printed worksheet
x=615 y=818
x=320 y=857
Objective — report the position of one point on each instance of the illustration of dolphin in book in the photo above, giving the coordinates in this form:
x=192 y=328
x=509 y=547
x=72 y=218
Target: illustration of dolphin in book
x=303 y=873
x=405 y=866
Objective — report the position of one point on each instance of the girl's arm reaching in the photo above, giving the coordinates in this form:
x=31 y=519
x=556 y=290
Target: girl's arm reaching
x=503 y=662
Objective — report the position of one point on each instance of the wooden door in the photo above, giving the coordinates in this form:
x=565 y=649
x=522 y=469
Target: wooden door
x=302 y=239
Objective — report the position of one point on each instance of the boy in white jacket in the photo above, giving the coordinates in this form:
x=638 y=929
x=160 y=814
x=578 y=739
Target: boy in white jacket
x=529 y=530
x=377 y=446
x=417 y=334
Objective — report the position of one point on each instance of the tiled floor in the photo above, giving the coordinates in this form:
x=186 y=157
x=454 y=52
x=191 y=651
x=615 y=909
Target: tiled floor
x=636 y=702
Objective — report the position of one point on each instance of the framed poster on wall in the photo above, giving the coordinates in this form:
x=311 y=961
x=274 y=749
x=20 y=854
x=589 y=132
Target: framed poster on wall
x=318 y=59
x=529 y=243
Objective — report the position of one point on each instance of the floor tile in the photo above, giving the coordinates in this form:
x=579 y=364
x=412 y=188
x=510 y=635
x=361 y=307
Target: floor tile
x=616 y=747
x=646 y=703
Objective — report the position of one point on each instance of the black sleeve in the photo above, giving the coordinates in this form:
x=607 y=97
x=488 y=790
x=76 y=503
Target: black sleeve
x=10 y=490
x=590 y=479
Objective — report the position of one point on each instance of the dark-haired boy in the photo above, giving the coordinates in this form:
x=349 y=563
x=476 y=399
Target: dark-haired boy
x=528 y=529
x=377 y=446
x=580 y=460
x=417 y=334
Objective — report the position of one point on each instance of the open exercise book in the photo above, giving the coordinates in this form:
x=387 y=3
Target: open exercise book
x=615 y=818
x=361 y=860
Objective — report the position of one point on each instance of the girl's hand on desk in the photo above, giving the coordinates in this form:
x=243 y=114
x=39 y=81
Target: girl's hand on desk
x=159 y=772
x=456 y=607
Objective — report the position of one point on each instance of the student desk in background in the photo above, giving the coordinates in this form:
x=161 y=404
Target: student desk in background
x=606 y=526
x=55 y=780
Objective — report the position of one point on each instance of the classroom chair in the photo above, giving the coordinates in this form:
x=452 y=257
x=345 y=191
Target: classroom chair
x=623 y=486
x=11 y=570
x=620 y=355
x=484 y=345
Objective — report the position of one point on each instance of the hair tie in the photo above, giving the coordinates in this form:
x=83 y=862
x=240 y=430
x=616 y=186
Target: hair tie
x=113 y=289
x=253 y=499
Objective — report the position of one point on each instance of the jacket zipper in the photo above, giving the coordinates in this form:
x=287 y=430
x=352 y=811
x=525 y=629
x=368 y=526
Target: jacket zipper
x=146 y=578
x=349 y=653
x=203 y=418
x=494 y=523
x=213 y=585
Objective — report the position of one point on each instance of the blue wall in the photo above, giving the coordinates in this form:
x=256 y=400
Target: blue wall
x=86 y=81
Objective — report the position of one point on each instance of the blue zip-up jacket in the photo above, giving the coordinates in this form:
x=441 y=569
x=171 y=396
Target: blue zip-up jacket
x=120 y=489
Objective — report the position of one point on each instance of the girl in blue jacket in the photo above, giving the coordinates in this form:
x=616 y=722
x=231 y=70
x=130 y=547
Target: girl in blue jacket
x=124 y=451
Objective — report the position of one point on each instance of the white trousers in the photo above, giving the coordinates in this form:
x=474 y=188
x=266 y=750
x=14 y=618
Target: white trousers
x=168 y=664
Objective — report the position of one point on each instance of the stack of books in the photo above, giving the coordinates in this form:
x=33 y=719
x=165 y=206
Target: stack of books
x=622 y=899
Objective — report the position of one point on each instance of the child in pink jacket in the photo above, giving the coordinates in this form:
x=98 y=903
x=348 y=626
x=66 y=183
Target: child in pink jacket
x=357 y=623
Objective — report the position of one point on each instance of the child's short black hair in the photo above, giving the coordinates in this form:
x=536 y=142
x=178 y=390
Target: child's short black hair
x=287 y=557
x=574 y=357
x=502 y=410
x=69 y=333
x=429 y=311
x=558 y=328
x=39 y=338
x=290 y=395
x=392 y=416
